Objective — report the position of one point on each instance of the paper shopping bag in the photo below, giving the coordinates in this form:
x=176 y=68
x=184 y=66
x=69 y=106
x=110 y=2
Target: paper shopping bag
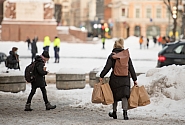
x=97 y=95
x=134 y=97
x=107 y=93
x=143 y=96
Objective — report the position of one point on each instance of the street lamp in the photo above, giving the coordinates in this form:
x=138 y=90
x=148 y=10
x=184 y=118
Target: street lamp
x=174 y=12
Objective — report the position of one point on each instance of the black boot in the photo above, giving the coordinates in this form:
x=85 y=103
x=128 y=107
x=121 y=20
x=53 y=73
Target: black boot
x=125 y=115
x=28 y=107
x=113 y=114
x=49 y=106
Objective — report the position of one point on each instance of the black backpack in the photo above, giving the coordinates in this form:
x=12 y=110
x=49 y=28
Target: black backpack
x=29 y=72
x=7 y=61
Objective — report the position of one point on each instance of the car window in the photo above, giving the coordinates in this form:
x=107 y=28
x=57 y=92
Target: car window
x=178 y=49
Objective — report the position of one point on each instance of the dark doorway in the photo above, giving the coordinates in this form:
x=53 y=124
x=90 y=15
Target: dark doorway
x=1 y=11
x=58 y=13
x=128 y=32
x=137 y=31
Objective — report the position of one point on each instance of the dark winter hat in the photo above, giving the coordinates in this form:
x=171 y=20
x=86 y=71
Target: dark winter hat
x=14 y=49
x=46 y=54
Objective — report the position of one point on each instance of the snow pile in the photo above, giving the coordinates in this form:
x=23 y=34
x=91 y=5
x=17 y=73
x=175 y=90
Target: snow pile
x=11 y=72
x=167 y=81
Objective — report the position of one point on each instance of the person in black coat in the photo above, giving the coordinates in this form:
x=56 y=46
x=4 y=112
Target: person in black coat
x=120 y=85
x=34 y=49
x=39 y=82
x=13 y=59
x=28 y=41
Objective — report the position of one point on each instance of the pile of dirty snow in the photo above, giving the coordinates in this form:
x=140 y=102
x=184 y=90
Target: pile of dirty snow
x=168 y=81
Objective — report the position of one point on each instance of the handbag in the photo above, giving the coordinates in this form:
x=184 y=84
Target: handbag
x=97 y=95
x=143 y=97
x=107 y=93
x=134 y=97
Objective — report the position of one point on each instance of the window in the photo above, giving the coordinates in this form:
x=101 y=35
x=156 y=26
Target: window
x=123 y=12
x=158 y=13
x=178 y=49
x=148 y=13
x=137 y=13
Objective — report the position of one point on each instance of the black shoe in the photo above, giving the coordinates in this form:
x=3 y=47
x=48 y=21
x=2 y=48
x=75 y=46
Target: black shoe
x=113 y=114
x=49 y=106
x=125 y=116
x=28 y=107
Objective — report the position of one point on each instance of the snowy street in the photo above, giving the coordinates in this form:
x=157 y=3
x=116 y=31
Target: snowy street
x=165 y=87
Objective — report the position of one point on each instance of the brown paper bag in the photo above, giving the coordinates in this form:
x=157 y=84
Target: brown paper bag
x=97 y=95
x=134 y=97
x=107 y=93
x=143 y=96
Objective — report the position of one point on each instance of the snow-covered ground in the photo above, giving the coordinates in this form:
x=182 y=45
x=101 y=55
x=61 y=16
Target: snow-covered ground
x=86 y=56
x=165 y=86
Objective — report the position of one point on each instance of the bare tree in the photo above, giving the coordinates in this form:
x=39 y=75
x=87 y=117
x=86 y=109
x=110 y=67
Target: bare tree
x=174 y=13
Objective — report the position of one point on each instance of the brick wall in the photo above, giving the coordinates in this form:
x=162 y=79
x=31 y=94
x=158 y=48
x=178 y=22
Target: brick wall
x=78 y=34
x=19 y=31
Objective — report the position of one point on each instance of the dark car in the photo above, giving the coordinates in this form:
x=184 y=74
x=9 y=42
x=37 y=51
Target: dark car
x=172 y=53
x=2 y=57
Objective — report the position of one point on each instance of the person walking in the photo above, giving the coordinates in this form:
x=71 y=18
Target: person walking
x=34 y=50
x=103 y=41
x=159 y=40
x=47 y=43
x=12 y=61
x=120 y=85
x=28 y=41
x=141 y=41
x=163 y=41
x=147 y=44
x=56 y=45
x=154 y=40
x=39 y=82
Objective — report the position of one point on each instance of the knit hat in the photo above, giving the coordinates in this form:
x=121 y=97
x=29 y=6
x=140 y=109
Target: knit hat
x=119 y=43
x=14 y=49
x=45 y=54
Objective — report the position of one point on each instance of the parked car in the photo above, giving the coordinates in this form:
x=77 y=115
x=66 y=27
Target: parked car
x=172 y=53
x=2 y=57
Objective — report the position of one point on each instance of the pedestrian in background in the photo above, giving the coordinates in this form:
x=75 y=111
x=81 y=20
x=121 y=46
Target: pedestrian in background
x=47 y=43
x=56 y=45
x=159 y=40
x=28 y=42
x=141 y=41
x=120 y=85
x=103 y=41
x=39 y=82
x=147 y=44
x=34 y=49
x=163 y=42
x=154 y=40
x=12 y=61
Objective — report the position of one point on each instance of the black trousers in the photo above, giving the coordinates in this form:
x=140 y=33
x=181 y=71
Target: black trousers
x=44 y=94
x=33 y=56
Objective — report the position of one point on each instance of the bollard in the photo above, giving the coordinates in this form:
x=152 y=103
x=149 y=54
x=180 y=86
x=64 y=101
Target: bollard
x=10 y=83
x=70 y=80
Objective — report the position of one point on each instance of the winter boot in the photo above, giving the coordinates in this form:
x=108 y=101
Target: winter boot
x=49 y=106
x=28 y=107
x=113 y=114
x=125 y=115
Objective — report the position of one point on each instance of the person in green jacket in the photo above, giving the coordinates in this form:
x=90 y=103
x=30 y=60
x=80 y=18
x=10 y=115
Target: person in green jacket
x=56 y=45
x=47 y=43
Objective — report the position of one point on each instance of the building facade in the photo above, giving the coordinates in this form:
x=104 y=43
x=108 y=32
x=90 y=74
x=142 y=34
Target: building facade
x=65 y=11
x=141 y=17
